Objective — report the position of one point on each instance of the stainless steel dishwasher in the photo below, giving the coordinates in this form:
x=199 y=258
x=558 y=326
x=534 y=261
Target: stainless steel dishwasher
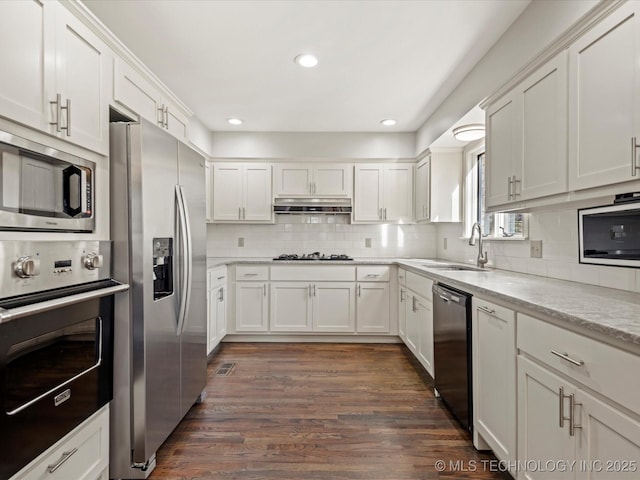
x=452 y=350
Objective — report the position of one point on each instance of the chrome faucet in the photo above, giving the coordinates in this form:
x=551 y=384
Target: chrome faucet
x=482 y=256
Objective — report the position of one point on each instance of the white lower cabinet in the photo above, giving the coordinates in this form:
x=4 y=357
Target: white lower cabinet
x=419 y=328
x=83 y=454
x=560 y=420
x=252 y=306
x=373 y=307
x=216 y=307
x=494 y=377
x=291 y=307
x=402 y=301
x=334 y=307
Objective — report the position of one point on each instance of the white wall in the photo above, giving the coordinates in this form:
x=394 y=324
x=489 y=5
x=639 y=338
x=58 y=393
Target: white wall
x=409 y=241
x=558 y=230
x=542 y=22
x=199 y=135
x=320 y=145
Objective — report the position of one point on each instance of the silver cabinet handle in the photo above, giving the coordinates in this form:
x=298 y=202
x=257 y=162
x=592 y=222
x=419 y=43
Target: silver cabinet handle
x=372 y=275
x=244 y=216
x=634 y=162
x=221 y=294
x=250 y=274
x=67 y=128
x=487 y=310
x=413 y=304
x=58 y=103
x=401 y=295
x=314 y=289
x=359 y=290
x=309 y=290
x=264 y=289
x=65 y=456
x=239 y=213
x=166 y=118
x=220 y=278
x=572 y=415
x=515 y=188
x=161 y=116
x=380 y=214
x=385 y=213
x=567 y=358
x=509 y=194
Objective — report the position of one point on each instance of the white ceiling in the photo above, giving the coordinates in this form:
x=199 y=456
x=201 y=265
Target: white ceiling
x=378 y=59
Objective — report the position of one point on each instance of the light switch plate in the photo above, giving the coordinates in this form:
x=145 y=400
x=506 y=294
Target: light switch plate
x=241 y=241
x=536 y=248
x=367 y=243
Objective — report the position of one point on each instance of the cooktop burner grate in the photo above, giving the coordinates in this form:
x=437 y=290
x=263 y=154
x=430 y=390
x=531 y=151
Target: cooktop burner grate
x=313 y=256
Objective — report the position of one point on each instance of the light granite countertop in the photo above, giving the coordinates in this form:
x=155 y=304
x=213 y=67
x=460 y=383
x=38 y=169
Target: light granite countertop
x=603 y=311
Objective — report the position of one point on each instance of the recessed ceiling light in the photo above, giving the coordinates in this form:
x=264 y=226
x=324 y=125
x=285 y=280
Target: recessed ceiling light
x=234 y=121
x=306 y=60
x=468 y=133
x=388 y=122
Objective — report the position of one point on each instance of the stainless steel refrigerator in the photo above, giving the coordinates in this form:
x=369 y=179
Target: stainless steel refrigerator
x=158 y=230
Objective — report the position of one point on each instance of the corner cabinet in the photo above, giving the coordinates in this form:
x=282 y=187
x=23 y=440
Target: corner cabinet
x=604 y=101
x=62 y=90
x=313 y=180
x=216 y=303
x=383 y=193
x=241 y=193
x=526 y=143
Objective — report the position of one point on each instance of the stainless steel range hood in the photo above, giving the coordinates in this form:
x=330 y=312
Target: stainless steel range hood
x=312 y=206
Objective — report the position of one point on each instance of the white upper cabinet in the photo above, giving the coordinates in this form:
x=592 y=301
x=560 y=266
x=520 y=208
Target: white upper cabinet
x=423 y=189
x=138 y=94
x=445 y=192
x=313 y=180
x=527 y=137
x=604 y=101
x=241 y=193
x=383 y=193
x=57 y=79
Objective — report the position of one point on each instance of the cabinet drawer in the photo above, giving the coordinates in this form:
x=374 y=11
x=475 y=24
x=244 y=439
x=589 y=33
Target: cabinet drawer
x=252 y=272
x=607 y=370
x=216 y=276
x=419 y=284
x=373 y=273
x=90 y=446
x=314 y=273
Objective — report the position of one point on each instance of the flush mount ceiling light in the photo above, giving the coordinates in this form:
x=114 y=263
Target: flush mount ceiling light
x=306 y=60
x=468 y=133
x=388 y=122
x=234 y=121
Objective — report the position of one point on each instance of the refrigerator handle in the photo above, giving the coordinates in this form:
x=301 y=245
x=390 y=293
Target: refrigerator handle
x=186 y=259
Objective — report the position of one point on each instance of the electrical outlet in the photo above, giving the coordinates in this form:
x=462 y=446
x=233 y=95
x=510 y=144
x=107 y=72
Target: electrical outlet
x=367 y=243
x=444 y=243
x=536 y=248
x=241 y=241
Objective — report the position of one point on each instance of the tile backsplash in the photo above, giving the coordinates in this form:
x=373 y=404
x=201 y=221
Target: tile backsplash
x=271 y=240
x=558 y=231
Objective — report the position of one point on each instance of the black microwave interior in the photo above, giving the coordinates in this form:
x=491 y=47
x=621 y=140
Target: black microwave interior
x=612 y=235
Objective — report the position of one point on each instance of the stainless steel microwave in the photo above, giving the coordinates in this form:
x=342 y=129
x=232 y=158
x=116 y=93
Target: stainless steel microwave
x=45 y=189
x=610 y=235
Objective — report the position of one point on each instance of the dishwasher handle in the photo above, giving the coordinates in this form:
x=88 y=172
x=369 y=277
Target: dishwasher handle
x=448 y=295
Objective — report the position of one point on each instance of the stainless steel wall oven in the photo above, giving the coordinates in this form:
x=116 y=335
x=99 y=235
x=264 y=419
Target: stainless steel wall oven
x=56 y=343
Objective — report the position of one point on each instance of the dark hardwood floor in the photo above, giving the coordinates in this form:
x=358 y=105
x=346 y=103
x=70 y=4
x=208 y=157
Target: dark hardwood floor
x=319 y=411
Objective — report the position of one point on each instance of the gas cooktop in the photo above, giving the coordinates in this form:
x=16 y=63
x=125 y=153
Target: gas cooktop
x=312 y=256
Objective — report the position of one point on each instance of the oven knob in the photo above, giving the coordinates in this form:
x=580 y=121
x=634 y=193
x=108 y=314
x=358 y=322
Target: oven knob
x=93 y=261
x=27 y=267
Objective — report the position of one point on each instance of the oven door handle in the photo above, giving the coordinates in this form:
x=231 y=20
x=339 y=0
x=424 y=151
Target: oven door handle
x=67 y=382
x=7 y=315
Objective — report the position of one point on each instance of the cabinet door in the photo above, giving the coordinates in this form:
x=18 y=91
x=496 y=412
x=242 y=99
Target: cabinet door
x=368 y=193
x=134 y=92
x=501 y=150
x=402 y=314
x=292 y=180
x=422 y=189
x=81 y=69
x=291 y=307
x=398 y=193
x=227 y=191
x=212 y=311
x=540 y=437
x=542 y=168
x=332 y=180
x=252 y=311
x=609 y=440
x=412 y=326
x=221 y=313
x=334 y=307
x=494 y=377
x=425 y=334
x=28 y=75
x=177 y=123
x=208 y=182
x=373 y=307
x=604 y=101
x=446 y=186
x=257 y=200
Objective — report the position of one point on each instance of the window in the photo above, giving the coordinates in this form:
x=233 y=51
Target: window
x=494 y=225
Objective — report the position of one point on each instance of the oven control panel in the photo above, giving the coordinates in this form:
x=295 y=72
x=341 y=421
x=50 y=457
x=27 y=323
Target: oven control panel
x=35 y=266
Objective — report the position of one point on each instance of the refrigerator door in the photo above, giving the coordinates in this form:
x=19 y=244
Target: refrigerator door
x=156 y=346
x=191 y=179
